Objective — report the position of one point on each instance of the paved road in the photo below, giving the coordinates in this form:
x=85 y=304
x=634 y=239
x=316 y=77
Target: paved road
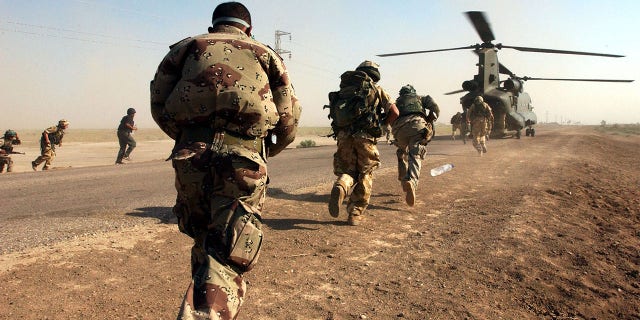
x=88 y=191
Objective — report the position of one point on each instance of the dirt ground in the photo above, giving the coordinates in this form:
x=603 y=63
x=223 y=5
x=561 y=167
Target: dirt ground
x=538 y=228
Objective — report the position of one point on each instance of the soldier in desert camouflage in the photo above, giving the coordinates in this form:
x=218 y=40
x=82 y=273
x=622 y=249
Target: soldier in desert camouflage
x=9 y=139
x=459 y=122
x=51 y=137
x=357 y=155
x=413 y=130
x=479 y=116
x=229 y=104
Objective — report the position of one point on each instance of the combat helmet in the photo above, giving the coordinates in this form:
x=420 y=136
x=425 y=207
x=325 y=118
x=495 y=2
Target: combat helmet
x=131 y=111
x=408 y=90
x=10 y=134
x=370 y=68
x=63 y=123
x=478 y=99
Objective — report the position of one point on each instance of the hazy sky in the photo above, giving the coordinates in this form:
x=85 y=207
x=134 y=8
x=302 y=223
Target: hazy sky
x=89 y=60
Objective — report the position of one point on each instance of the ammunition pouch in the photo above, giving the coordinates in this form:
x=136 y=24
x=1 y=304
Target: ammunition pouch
x=235 y=235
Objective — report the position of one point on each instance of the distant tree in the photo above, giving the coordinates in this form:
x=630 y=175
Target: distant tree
x=603 y=123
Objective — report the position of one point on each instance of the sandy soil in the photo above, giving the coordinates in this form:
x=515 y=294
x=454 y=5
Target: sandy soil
x=542 y=228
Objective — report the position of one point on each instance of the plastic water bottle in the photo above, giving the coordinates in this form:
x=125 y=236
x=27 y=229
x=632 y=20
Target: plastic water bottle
x=441 y=169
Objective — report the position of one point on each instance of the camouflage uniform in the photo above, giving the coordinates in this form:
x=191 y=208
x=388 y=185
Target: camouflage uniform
x=479 y=115
x=228 y=103
x=10 y=138
x=412 y=131
x=355 y=160
x=458 y=122
x=48 y=144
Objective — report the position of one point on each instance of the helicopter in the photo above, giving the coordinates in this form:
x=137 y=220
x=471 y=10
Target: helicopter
x=511 y=106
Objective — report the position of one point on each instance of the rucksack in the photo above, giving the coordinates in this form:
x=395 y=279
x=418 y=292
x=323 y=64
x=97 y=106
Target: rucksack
x=356 y=106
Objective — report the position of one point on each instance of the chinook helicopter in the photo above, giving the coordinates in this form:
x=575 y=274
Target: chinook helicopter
x=512 y=107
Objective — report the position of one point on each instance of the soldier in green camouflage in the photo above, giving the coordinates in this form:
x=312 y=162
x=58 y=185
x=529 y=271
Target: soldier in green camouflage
x=412 y=131
x=229 y=104
x=51 y=137
x=357 y=155
x=9 y=139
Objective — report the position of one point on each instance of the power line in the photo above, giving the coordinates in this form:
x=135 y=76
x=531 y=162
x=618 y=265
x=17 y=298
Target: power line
x=78 y=32
x=74 y=38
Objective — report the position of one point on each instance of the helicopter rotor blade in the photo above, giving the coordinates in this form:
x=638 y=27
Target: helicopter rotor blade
x=560 y=51
x=590 y=80
x=481 y=24
x=454 y=92
x=424 y=51
x=502 y=69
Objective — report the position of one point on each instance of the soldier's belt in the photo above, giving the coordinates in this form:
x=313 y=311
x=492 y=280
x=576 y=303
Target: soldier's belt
x=254 y=143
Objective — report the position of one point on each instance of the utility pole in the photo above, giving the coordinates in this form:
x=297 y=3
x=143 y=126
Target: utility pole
x=279 y=49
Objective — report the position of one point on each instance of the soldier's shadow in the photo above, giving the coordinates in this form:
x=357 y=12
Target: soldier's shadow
x=299 y=224
x=278 y=193
x=163 y=214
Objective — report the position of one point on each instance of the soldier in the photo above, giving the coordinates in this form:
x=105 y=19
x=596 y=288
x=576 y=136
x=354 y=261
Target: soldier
x=229 y=104
x=478 y=116
x=10 y=139
x=357 y=155
x=456 y=124
x=125 y=136
x=412 y=131
x=51 y=137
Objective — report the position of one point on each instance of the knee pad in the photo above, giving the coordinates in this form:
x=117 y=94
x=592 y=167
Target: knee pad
x=235 y=235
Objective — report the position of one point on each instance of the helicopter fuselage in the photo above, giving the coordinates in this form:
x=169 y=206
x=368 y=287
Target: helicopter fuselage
x=511 y=106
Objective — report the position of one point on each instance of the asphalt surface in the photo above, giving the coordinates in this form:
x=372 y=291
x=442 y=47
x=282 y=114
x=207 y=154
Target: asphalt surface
x=90 y=191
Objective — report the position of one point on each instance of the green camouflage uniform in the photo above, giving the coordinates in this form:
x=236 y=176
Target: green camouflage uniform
x=479 y=115
x=412 y=131
x=355 y=160
x=48 y=150
x=228 y=103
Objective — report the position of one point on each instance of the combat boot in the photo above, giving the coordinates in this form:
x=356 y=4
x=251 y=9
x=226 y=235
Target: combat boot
x=338 y=193
x=354 y=220
x=410 y=192
x=34 y=166
x=335 y=202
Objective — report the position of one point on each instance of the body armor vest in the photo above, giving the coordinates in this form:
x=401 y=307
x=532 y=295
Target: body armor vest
x=410 y=104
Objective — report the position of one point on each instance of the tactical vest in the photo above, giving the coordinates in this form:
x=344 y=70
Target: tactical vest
x=478 y=110
x=410 y=104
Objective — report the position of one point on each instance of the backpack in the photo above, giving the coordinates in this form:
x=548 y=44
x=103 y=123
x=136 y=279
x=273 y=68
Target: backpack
x=356 y=106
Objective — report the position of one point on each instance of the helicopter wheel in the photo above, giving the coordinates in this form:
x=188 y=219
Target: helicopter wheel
x=518 y=134
x=533 y=132
x=527 y=132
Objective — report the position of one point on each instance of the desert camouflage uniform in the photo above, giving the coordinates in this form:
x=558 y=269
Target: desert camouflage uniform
x=48 y=150
x=355 y=160
x=224 y=98
x=412 y=131
x=458 y=122
x=479 y=115
x=6 y=149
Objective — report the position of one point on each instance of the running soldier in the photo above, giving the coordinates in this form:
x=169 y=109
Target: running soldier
x=412 y=131
x=458 y=122
x=125 y=136
x=479 y=116
x=51 y=137
x=227 y=101
x=358 y=112
x=10 y=139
